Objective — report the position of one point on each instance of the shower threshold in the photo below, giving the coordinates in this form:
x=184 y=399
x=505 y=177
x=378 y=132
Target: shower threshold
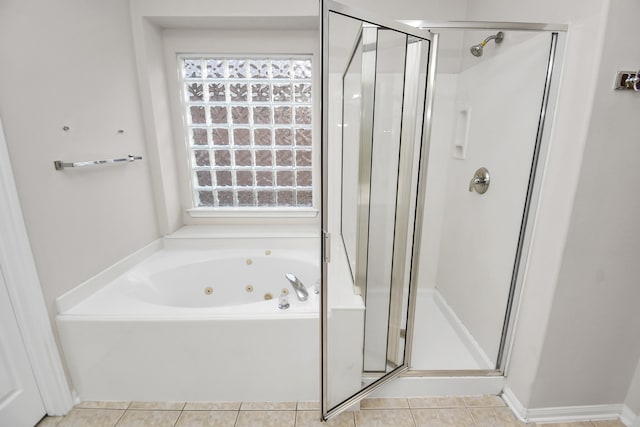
x=446 y=359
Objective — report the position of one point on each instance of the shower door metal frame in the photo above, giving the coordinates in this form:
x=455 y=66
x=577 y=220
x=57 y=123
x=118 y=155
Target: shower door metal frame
x=485 y=25
x=368 y=37
x=556 y=51
x=327 y=6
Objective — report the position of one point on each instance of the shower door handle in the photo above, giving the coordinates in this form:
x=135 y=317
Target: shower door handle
x=480 y=181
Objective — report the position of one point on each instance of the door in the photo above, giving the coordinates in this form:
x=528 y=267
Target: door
x=20 y=402
x=375 y=95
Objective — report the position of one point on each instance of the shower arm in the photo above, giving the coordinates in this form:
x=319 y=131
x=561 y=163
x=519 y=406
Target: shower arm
x=498 y=37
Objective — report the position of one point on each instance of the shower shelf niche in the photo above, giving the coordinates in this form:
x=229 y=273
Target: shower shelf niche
x=461 y=135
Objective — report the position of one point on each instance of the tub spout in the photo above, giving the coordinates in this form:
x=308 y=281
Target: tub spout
x=298 y=287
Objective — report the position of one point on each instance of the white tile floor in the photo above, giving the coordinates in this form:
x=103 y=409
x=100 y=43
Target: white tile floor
x=471 y=411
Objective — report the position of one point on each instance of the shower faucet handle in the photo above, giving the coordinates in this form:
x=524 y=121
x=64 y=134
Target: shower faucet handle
x=480 y=181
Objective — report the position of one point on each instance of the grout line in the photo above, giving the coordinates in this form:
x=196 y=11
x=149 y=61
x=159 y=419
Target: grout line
x=179 y=416
x=413 y=417
x=385 y=409
x=120 y=418
x=475 y=422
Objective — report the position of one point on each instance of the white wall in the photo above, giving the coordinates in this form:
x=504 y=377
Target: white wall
x=633 y=394
x=433 y=10
x=576 y=339
x=592 y=345
x=71 y=63
x=443 y=123
x=156 y=116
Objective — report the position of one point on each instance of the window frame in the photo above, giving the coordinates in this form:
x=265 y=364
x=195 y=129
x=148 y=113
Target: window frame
x=238 y=44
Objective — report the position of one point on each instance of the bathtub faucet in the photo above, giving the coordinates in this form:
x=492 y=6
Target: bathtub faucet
x=298 y=287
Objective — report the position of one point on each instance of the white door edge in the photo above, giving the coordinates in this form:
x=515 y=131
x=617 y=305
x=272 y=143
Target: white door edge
x=26 y=296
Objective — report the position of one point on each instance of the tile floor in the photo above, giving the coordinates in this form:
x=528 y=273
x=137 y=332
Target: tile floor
x=471 y=411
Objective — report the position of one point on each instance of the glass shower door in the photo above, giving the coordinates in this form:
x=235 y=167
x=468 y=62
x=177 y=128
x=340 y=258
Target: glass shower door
x=374 y=96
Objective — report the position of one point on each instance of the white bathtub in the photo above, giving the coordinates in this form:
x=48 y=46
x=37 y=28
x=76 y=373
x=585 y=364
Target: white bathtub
x=187 y=319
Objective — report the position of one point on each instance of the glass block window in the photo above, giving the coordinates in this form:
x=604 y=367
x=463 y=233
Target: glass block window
x=249 y=130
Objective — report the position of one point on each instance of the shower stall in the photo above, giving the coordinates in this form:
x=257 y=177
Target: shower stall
x=434 y=142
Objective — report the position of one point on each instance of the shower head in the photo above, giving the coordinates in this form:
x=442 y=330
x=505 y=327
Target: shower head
x=476 y=49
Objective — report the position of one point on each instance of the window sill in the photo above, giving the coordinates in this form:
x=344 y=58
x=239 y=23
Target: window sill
x=252 y=212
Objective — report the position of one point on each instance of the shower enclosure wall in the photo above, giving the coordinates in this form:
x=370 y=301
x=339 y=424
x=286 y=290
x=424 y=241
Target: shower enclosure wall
x=486 y=114
x=434 y=145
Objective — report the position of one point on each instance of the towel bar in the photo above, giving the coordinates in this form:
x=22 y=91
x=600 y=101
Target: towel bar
x=60 y=165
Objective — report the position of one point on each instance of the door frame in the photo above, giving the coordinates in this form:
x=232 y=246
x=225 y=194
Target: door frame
x=558 y=33
x=25 y=294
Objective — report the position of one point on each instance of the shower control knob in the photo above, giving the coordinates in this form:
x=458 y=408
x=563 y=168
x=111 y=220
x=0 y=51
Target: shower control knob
x=480 y=181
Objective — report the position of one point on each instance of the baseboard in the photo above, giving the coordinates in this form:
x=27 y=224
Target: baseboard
x=564 y=414
x=514 y=404
x=628 y=418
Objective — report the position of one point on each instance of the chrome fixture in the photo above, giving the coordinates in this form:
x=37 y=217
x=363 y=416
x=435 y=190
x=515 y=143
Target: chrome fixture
x=283 y=301
x=632 y=81
x=298 y=287
x=480 y=181
x=60 y=165
x=476 y=49
x=627 y=80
